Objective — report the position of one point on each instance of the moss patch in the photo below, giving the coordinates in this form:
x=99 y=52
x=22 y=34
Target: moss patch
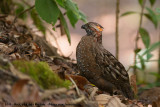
x=41 y=73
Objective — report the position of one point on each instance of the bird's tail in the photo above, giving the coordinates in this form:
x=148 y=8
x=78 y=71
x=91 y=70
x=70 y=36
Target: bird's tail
x=127 y=91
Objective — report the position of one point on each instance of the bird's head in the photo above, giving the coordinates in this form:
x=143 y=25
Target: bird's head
x=93 y=29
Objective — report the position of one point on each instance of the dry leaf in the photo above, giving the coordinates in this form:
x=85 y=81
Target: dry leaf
x=18 y=86
x=79 y=80
x=22 y=91
x=36 y=49
x=108 y=101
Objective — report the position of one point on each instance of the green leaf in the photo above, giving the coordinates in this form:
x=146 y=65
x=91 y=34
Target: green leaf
x=72 y=18
x=158 y=17
x=83 y=17
x=137 y=50
x=155 y=74
x=53 y=28
x=149 y=56
x=71 y=6
x=128 y=13
x=145 y=37
x=148 y=16
x=152 y=17
x=142 y=62
x=73 y=13
x=158 y=10
x=151 y=48
x=136 y=66
x=60 y=2
x=48 y=10
x=37 y=21
x=64 y=24
x=140 y=2
x=152 y=2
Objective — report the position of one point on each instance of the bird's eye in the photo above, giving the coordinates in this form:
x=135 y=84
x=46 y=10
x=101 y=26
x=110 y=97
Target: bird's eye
x=100 y=29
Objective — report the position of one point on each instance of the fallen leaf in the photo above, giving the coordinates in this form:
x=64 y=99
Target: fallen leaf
x=18 y=87
x=79 y=80
x=109 y=101
x=36 y=49
x=22 y=91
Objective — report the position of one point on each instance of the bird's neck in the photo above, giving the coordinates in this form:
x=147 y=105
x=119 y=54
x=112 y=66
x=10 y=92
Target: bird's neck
x=99 y=39
x=97 y=35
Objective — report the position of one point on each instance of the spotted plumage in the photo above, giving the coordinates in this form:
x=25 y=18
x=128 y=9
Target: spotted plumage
x=98 y=65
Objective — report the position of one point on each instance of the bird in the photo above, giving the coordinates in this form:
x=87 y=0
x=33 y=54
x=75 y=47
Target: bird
x=99 y=66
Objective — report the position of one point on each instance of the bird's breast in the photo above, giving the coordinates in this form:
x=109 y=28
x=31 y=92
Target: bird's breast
x=86 y=61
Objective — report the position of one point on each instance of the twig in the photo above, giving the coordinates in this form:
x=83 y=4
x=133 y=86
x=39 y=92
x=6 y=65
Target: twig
x=22 y=13
x=63 y=14
x=76 y=101
x=129 y=68
x=137 y=37
x=75 y=85
x=117 y=23
x=3 y=73
x=159 y=56
x=93 y=92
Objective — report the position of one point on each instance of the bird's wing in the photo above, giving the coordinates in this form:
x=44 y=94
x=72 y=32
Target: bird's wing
x=110 y=65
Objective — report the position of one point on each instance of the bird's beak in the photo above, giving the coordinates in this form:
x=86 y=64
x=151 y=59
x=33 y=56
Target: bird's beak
x=83 y=27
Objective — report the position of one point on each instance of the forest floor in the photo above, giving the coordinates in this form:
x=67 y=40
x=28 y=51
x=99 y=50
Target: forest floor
x=32 y=73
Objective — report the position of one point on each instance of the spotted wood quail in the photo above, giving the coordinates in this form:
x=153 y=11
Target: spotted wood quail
x=98 y=65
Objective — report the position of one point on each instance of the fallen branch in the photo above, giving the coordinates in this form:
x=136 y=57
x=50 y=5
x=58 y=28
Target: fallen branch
x=76 y=101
